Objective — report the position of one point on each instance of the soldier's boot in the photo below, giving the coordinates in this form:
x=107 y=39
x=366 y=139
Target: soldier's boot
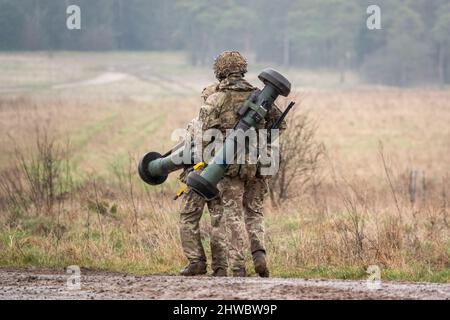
x=194 y=268
x=240 y=273
x=259 y=261
x=220 y=272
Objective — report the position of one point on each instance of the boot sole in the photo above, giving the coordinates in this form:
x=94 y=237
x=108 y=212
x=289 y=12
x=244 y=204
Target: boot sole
x=194 y=274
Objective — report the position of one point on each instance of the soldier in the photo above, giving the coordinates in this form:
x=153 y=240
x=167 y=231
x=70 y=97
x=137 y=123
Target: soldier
x=242 y=189
x=192 y=207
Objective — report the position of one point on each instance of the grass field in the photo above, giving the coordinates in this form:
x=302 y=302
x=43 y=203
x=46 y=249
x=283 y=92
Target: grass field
x=73 y=125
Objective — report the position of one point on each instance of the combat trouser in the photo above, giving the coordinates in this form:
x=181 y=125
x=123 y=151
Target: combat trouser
x=243 y=208
x=255 y=191
x=192 y=206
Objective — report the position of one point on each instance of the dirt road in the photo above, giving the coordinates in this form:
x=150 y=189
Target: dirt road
x=15 y=284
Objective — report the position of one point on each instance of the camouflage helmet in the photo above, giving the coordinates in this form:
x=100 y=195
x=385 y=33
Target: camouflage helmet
x=229 y=62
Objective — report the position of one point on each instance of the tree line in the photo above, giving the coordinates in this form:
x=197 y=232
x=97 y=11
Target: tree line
x=411 y=48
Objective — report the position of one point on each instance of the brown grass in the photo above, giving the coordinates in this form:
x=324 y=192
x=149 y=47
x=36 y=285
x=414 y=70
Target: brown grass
x=358 y=212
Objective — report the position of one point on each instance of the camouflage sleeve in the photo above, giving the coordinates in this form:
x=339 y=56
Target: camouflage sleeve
x=210 y=111
x=189 y=136
x=190 y=129
x=209 y=90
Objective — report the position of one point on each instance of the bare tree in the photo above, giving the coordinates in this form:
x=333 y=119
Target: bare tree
x=300 y=157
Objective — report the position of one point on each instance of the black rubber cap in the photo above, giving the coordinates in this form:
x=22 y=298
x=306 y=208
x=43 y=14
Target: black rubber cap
x=275 y=78
x=202 y=186
x=143 y=169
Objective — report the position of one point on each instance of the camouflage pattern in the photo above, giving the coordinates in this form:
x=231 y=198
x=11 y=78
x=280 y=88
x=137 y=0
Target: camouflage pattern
x=242 y=191
x=191 y=211
x=242 y=201
x=255 y=192
x=192 y=126
x=192 y=206
x=239 y=209
x=209 y=90
x=231 y=190
x=219 y=111
x=229 y=62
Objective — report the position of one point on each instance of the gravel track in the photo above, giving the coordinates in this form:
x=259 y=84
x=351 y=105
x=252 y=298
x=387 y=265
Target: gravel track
x=48 y=284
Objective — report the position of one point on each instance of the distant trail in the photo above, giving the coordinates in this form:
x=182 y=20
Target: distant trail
x=167 y=84
x=144 y=72
x=104 y=78
x=101 y=79
x=18 y=284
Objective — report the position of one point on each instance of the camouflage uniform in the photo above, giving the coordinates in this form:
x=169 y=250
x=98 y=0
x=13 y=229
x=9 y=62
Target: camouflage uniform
x=209 y=90
x=192 y=206
x=242 y=191
x=254 y=192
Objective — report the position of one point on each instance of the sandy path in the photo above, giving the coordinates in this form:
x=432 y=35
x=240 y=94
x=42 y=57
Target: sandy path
x=104 y=78
x=15 y=284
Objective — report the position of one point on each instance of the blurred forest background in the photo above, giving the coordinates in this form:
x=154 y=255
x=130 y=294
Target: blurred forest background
x=412 y=48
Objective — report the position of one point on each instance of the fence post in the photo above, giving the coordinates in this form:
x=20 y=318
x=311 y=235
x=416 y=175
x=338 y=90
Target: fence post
x=424 y=187
x=412 y=186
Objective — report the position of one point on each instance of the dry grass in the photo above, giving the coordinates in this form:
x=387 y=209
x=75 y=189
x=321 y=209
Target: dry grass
x=358 y=211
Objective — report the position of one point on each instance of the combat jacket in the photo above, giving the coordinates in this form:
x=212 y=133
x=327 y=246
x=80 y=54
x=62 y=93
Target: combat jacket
x=220 y=112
